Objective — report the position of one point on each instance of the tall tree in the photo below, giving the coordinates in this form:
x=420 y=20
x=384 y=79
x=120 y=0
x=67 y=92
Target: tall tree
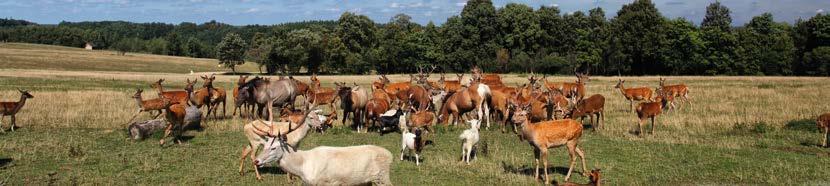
x=638 y=27
x=717 y=17
x=767 y=47
x=519 y=27
x=358 y=34
x=231 y=51
x=479 y=31
x=721 y=44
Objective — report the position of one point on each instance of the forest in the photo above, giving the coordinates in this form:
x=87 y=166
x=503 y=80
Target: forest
x=516 y=38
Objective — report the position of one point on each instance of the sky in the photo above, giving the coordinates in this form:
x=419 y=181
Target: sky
x=268 y=12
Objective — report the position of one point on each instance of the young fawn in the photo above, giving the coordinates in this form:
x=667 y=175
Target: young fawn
x=11 y=108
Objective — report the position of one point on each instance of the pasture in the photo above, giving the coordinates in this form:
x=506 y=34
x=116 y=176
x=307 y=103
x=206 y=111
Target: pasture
x=739 y=130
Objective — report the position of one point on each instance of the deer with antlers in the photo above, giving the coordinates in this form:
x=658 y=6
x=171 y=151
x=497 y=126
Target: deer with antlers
x=157 y=104
x=11 y=108
x=177 y=97
x=634 y=94
x=261 y=132
x=678 y=90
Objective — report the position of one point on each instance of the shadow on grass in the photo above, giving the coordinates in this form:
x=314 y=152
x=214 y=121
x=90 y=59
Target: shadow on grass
x=271 y=170
x=5 y=161
x=529 y=171
x=808 y=125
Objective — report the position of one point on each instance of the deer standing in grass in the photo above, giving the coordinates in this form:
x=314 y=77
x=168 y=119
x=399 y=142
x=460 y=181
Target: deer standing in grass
x=175 y=114
x=575 y=91
x=551 y=134
x=679 y=90
x=634 y=94
x=176 y=97
x=650 y=110
x=158 y=104
x=591 y=107
x=239 y=104
x=217 y=96
x=11 y=108
x=823 y=123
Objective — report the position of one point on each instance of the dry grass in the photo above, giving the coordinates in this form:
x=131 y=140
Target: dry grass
x=755 y=130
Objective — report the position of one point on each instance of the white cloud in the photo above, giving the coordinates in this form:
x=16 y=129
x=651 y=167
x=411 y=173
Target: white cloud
x=819 y=11
x=461 y=4
x=416 y=5
x=554 y=5
x=332 y=9
x=394 y=5
x=252 y=10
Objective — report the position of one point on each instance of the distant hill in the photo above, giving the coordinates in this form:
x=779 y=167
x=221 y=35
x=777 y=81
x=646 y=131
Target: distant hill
x=50 y=57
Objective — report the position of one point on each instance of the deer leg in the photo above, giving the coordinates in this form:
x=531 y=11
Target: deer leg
x=253 y=158
x=167 y=132
x=245 y=152
x=582 y=158
x=826 y=136
x=630 y=105
x=571 y=159
x=652 y=125
x=602 y=124
x=157 y=115
x=640 y=127
x=545 y=166
x=14 y=123
x=537 y=153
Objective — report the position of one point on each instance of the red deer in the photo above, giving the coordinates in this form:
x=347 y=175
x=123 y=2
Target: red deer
x=449 y=85
x=200 y=97
x=823 y=123
x=268 y=93
x=158 y=104
x=177 y=97
x=315 y=85
x=499 y=101
x=352 y=100
x=679 y=90
x=536 y=111
x=374 y=109
x=421 y=119
x=467 y=99
x=661 y=94
x=239 y=103
x=650 y=110
x=11 y=108
x=487 y=79
x=217 y=96
x=264 y=133
x=634 y=94
x=591 y=106
x=393 y=89
x=551 y=134
x=575 y=91
x=559 y=103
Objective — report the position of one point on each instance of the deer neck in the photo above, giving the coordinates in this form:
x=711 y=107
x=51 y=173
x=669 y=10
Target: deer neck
x=20 y=103
x=622 y=89
x=138 y=101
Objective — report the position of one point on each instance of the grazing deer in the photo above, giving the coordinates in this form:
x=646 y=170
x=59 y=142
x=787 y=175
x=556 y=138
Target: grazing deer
x=551 y=134
x=650 y=110
x=634 y=94
x=591 y=106
x=679 y=90
x=239 y=103
x=158 y=104
x=421 y=119
x=11 y=108
x=176 y=97
x=823 y=123
x=217 y=96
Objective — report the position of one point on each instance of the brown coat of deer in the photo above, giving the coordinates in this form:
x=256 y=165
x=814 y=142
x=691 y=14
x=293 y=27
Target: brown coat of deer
x=472 y=98
x=551 y=134
x=397 y=91
x=591 y=107
x=499 y=102
x=449 y=85
x=217 y=96
x=594 y=177
x=823 y=123
x=176 y=97
x=679 y=90
x=157 y=104
x=649 y=110
x=352 y=100
x=11 y=108
x=175 y=117
x=421 y=119
x=576 y=91
x=634 y=94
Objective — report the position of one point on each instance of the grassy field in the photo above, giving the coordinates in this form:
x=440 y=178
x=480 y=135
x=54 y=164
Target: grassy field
x=739 y=130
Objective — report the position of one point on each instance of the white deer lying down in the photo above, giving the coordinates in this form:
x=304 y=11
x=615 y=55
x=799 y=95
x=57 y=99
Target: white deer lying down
x=469 y=138
x=354 y=165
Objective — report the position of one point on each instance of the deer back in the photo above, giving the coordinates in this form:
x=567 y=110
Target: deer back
x=548 y=134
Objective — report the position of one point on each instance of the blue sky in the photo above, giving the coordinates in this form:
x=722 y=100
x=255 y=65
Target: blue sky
x=243 y=12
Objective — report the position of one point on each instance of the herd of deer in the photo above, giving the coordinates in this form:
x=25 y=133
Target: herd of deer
x=541 y=112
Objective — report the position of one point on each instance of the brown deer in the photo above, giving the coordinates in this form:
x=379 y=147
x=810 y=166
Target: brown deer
x=315 y=85
x=634 y=94
x=377 y=106
x=650 y=110
x=352 y=100
x=679 y=90
x=487 y=79
x=175 y=115
x=422 y=118
x=551 y=134
x=536 y=110
x=157 y=104
x=575 y=91
x=559 y=103
x=239 y=103
x=472 y=98
x=200 y=97
x=217 y=96
x=449 y=85
x=394 y=89
x=823 y=123
x=499 y=101
x=591 y=106
x=11 y=108
x=176 y=97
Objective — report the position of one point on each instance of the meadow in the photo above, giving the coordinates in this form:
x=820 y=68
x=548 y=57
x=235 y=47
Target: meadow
x=738 y=130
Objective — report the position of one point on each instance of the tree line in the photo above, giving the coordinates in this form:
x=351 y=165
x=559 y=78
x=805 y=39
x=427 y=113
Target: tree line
x=514 y=38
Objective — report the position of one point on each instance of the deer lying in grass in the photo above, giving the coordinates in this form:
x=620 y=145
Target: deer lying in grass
x=469 y=138
x=11 y=108
x=158 y=104
x=551 y=134
x=634 y=94
x=591 y=106
x=594 y=177
x=176 y=97
x=650 y=110
x=823 y=123
x=354 y=165
x=679 y=90
x=261 y=132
